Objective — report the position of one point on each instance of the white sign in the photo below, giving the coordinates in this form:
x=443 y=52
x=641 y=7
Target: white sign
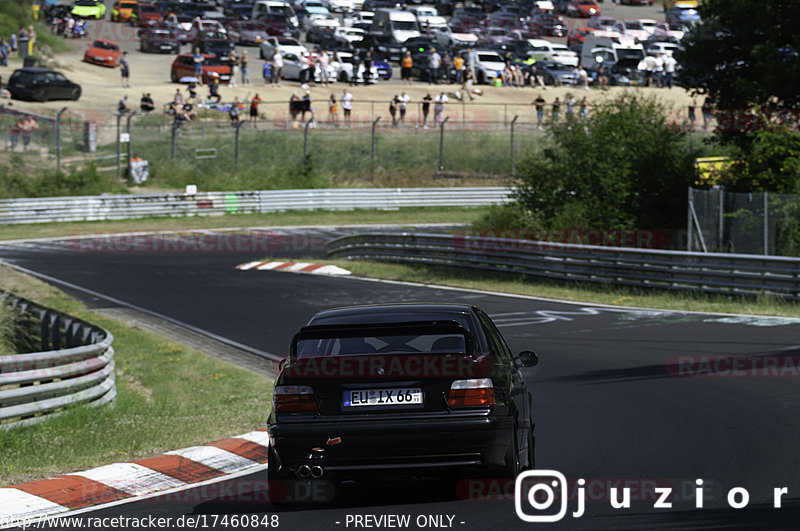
x=124 y=137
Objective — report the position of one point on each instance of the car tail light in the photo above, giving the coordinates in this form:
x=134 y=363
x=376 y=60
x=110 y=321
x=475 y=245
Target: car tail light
x=474 y=392
x=294 y=399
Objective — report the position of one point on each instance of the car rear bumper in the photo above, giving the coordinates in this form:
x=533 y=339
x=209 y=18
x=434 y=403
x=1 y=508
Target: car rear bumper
x=426 y=445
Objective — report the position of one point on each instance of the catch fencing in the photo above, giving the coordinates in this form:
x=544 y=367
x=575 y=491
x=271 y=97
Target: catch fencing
x=731 y=274
x=72 y=363
x=117 y=207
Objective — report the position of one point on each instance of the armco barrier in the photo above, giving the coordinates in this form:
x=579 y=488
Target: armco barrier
x=672 y=270
x=74 y=365
x=116 y=207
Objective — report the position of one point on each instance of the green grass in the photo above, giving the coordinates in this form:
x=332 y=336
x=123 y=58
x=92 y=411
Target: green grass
x=169 y=397
x=320 y=217
x=519 y=284
x=6 y=329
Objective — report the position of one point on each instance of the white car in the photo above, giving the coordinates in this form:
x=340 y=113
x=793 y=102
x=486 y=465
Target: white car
x=423 y=13
x=445 y=37
x=293 y=65
x=544 y=50
x=340 y=6
x=665 y=31
x=349 y=35
x=344 y=69
x=488 y=65
x=648 y=24
x=433 y=23
x=658 y=48
x=632 y=28
x=286 y=45
x=363 y=16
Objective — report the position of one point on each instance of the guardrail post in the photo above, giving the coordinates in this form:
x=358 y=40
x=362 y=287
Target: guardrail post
x=236 y=146
x=305 y=139
x=513 y=169
x=374 y=124
x=130 y=142
x=58 y=138
x=119 y=169
x=441 y=143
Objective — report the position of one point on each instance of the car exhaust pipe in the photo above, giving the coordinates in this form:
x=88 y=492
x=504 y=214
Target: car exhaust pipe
x=303 y=471
x=317 y=471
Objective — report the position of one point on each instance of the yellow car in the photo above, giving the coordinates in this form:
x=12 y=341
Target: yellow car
x=123 y=10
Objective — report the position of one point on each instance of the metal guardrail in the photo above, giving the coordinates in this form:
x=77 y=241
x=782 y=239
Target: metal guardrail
x=117 y=207
x=75 y=365
x=732 y=274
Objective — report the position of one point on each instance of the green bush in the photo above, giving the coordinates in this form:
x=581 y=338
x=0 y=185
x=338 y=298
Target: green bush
x=17 y=182
x=626 y=167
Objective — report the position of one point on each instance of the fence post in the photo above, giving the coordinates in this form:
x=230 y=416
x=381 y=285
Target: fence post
x=513 y=121
x=128 y=131
x=766 y=223
x=689 y=227
x=721 y=243
x=58 y=137
x=119 y=169
x=305 y=139
x=441 y=144
x=175 y=127
x=236 y=146
x=374 y=124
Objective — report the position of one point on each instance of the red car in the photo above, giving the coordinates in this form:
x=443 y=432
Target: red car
x=103 y=53
x=147 y=14
x=213 y=66
x=583 y=8
x=577 y=36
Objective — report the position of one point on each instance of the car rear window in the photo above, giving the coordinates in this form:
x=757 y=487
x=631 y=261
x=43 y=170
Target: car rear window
x=366 y=344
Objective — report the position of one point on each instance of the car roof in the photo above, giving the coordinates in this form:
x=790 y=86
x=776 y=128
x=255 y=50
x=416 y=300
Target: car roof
x=34 y=69
x=387 y=313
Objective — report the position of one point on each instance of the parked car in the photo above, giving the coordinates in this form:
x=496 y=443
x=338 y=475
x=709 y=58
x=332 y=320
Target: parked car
x=577 y=36
x=214 y=43
x=158 y=38
x=555 y=73
x=344 y=69
x=321 y=29
x=293 y=65
x=436 y=391
x=41 y=84
x=213 y=66
x=148 y=14
x=583 y=8
x=123 y=10
x=488 y=65
x=89 y=9
x=285 y=44
x=103 y=53
x=683 y=15
x=349 y=35
x=553 y=51
x=550 y=25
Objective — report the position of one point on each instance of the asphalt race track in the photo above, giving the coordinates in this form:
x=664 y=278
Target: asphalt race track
x=617 y=398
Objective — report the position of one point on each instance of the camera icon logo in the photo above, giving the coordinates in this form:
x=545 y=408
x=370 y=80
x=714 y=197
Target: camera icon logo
x=539 y=490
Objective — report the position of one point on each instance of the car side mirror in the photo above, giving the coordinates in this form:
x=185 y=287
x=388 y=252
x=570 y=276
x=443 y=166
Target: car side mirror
x=528 y=358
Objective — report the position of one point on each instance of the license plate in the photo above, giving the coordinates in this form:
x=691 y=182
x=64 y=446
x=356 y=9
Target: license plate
x=223 y=77
x=382 y=397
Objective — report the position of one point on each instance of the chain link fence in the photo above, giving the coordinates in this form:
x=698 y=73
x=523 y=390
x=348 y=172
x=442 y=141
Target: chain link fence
x=744 y=223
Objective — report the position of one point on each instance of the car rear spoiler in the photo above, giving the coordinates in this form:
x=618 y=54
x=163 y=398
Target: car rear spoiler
x=384 y=329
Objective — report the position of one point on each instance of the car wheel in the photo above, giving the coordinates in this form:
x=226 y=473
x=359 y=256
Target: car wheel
x=276 y=494
x=174 y=77
x=343 y=77
x=41 y=95
x=76 y=94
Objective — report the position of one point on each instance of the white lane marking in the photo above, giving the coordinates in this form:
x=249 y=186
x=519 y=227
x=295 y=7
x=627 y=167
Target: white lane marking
x=215 y=458
x=16 y=505
x=130 y=477
x=549 y=316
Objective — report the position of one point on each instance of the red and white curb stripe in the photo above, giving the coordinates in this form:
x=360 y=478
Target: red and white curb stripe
x=295 y=267
x=111 y=483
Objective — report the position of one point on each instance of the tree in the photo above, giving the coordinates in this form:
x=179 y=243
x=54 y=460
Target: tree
x=626 y=168
x=744 y=54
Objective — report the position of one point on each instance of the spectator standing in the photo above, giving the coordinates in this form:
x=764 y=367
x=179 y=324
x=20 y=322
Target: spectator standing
x=402 y=106
x=434 y=61
x=367 y=67
x=458 y=66
x=5 y=51
x=405 y=68
x=28 y=126
x=583 y=109
x=294 y=108
x=669 y=69
x=245 y=69
x=393 y=110
x=658 y=70
x=324 y=62
x=569 y=102
x=438 y=108
x=13 y=42
x=234 y=61
x=254 y=109
x=347 y=104
x=539 y=104
x=426 y=106
x=333 y=111
x=444 y=68
x=707 y=110
x=556 y=110
x=125 y=69
x=356 y=62
x=692 y=114
x=277 y=68
x=306 y=106
x=266 y=73
x=16 y=130
x=197 y=61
